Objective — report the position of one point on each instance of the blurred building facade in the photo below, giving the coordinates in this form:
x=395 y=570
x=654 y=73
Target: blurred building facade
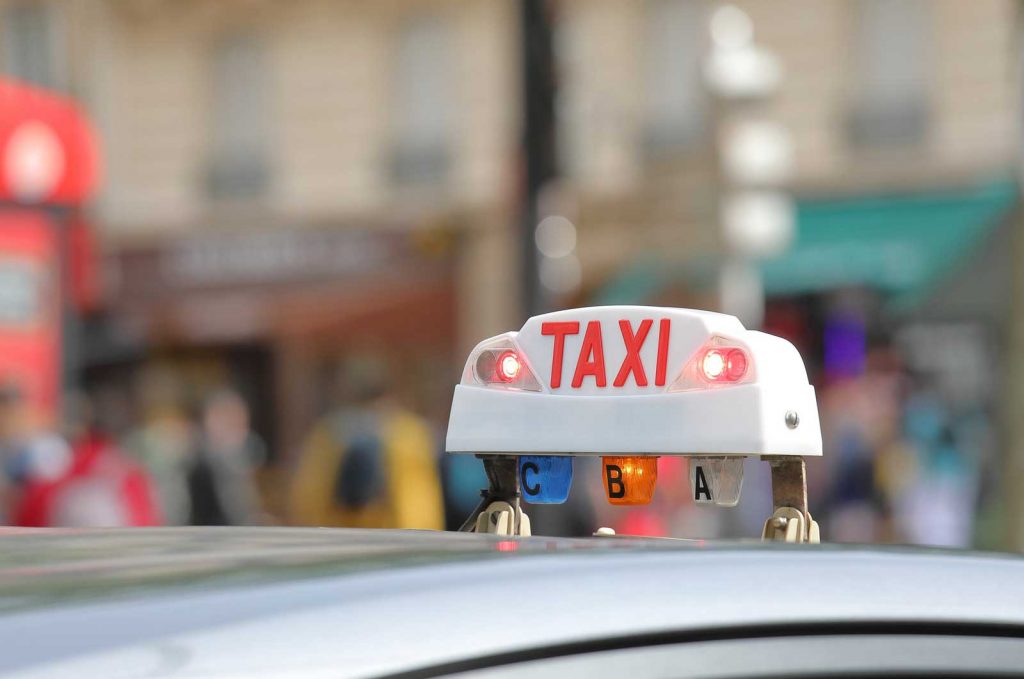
x=878 y=96
x=290 y=183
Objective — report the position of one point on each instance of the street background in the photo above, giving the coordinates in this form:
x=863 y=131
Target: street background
x=246 y=245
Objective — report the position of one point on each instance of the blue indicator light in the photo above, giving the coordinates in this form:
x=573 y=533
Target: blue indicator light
x=546 y=479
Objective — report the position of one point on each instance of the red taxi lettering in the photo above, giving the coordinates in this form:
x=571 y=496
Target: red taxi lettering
x=663 y=329
x=631 y=363
x=590 y=362
x=559 y=330
x=586 y=366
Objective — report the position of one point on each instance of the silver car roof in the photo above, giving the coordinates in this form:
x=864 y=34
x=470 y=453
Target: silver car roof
x=280 y=602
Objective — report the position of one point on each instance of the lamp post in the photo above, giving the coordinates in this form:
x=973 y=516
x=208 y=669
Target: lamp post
x=539 y=142
x=754 y=160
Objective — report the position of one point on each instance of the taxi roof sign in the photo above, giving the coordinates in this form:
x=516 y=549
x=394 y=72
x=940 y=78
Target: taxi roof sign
x=634 y=380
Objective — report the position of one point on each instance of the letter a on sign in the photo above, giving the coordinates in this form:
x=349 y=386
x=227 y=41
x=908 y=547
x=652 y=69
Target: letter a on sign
x=716 y=480
x=591 y=361
x=701 y=487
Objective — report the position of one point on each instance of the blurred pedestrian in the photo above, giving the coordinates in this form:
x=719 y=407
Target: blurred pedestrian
x=164 y=442
x=95 y=484
x=221 y=477
x=937 y=506
x=29 y=452
x=368 y=464
x=100 y=487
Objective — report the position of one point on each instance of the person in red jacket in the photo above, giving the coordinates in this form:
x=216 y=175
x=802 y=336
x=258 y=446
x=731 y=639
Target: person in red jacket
x=100 y=487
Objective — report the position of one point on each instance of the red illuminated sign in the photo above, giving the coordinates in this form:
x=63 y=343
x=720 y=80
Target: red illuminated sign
x=30 y=309
x=48 y=152
x=591 y=359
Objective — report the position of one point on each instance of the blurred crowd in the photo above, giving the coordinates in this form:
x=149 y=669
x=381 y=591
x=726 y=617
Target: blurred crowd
x=149 y=456
x=166 y=469
x=902 y=464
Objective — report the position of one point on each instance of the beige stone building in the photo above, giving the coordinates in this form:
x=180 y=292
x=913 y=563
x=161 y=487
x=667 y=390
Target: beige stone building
x=878 y=96
x=300 y=179
x=288 y=183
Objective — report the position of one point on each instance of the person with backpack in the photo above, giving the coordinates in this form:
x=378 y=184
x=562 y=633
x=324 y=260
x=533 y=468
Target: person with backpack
x=91 y=483
x=101 y=488
x=368 y=464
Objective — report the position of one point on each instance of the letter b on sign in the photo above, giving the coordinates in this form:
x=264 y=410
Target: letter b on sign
x=613 y=477
x=630 y=480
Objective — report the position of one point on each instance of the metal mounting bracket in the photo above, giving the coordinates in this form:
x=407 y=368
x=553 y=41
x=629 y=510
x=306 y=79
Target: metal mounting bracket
x=790 y=520
x=500 y=511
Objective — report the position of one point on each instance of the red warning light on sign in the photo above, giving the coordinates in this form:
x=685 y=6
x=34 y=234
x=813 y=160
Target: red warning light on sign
x=508 y=366
x=723 y=365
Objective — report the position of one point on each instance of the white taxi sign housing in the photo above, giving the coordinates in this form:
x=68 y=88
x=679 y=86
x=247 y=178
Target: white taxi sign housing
x=634 y=380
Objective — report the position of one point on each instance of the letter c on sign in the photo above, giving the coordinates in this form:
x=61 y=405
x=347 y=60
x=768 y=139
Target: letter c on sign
x=530 y=467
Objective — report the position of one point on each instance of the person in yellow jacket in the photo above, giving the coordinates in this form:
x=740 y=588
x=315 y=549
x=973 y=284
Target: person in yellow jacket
x=371 y=465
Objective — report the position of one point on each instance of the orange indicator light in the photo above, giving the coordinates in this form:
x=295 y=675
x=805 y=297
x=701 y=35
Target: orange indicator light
x=629 y=480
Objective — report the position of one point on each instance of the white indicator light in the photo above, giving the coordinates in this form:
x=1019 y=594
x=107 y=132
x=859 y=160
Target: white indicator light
x=713 y=364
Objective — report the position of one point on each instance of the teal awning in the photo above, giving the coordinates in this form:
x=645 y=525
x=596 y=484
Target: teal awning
x=897 y=244
x=901 y=244
x=637 y=283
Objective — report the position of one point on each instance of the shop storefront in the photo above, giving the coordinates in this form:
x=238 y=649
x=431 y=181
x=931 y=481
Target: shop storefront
x=274 y=312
